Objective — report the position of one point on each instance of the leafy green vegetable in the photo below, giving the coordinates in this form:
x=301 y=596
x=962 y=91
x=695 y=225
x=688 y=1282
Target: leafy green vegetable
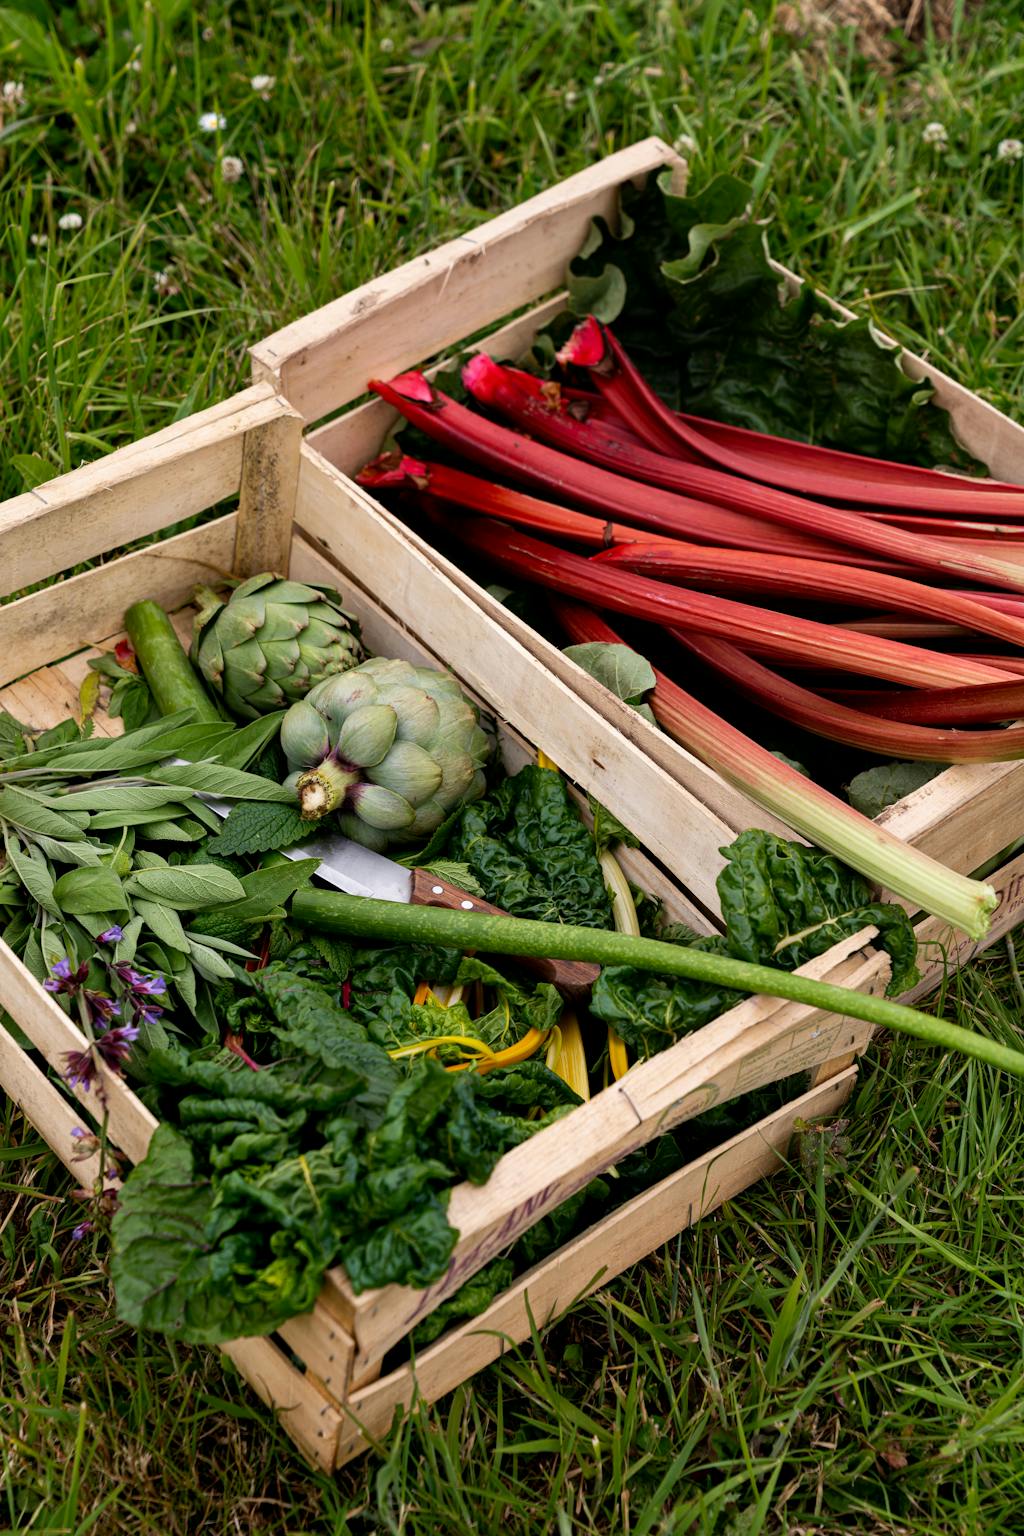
x=782 y=904
x=531 y=853
x=255 y=827
x=629 y=675
x=690 y=290
x=871 y=791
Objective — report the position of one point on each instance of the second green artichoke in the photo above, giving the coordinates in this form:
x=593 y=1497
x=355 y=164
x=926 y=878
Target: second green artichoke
x=395 y=748
x=271 y=642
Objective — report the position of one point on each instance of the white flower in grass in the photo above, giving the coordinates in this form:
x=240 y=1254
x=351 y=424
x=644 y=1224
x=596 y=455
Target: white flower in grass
x=231 y=167
x=12 y=93
x=69 y=221
x=1009 y=149
x=685 y=144
x=935 y=135
x=571 y=98
x=40 y=239
x=211 y=122
x=387 y=45
x=135 y=65
x=263 y=85
x=165 y=286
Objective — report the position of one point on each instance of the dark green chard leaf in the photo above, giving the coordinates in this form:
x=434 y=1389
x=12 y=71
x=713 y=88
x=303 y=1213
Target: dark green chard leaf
x=469 y=1301
x=784 y=903
x=690 y=291
x=531 y=853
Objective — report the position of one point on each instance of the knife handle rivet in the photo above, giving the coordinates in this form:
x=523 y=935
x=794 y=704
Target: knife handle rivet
x=437 y=890
x=467 y=906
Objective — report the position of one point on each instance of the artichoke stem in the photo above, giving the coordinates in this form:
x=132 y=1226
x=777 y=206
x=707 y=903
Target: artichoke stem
x=323 y=789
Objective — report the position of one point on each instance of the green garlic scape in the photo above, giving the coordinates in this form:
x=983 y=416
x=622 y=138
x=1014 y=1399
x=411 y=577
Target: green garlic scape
x=395 y=748
x=271 y=642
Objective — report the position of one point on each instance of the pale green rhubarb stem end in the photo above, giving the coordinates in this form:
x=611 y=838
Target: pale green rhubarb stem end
x=323 y=789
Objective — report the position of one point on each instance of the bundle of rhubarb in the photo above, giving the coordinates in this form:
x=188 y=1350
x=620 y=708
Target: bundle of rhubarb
x=707 y=539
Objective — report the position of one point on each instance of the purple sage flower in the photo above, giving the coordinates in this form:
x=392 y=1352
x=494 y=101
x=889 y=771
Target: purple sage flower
x=101 y=1007
x=80 y=1069
x=138 y=981
x=63 y=979
x=115 y=1045
x=80 y=1231
x=111 y=935
x=147 y=1014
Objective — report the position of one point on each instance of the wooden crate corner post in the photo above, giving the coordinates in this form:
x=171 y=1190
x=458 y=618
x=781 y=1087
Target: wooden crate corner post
x=266 y=502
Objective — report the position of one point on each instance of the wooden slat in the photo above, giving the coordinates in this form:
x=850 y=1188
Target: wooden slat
x=324 y=1347
x=305 y=1414
x=84 y=609
x=758 y=1041
x=670 y=820
x=584 y=1263
x=130 y=1123
x=325 y=359
x=131 y=493
x=270 y=473
x=45 y=1108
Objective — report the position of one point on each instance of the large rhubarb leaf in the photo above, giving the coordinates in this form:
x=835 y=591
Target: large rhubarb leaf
x=688 y=285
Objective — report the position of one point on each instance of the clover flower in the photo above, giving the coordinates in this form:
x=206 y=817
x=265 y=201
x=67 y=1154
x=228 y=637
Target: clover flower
x=935 y=135
x=165 y=286
x=12 y=94
x=263 y=85
x=685 y=144
x=231 y=168
x=1010 y=149
x=69 y=221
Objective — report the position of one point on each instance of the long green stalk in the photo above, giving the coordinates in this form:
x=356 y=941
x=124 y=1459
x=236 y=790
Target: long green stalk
x=367 y=918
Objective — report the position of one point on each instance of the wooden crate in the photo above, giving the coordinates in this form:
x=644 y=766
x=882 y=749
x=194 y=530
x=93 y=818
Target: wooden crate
x=321 y=1371
x=406 y=318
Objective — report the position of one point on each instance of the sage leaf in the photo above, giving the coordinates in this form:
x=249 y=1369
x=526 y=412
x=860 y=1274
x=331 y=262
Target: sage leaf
x=90 y=890
x=190 y=887
x=25 y=811
x=216 y=779
x=35 y=875
x=164 y=923
x=208 y=963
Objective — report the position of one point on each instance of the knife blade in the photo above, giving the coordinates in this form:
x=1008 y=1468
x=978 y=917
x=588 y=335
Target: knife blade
x=350 y=867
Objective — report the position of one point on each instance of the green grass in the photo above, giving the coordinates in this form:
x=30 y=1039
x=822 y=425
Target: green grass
x=840 y=1350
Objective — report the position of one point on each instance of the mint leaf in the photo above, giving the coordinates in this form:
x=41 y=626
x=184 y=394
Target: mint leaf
x=259 y=828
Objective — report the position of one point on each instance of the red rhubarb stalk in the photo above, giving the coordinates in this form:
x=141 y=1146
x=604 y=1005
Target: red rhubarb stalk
x=494 y=387
x=780 y=635
x=395 y=471
x=874 y=477
x=982 y=704
x=504 y=452
x=796 y=578
x=805 y=806
x=594 y=347
x=889 y=736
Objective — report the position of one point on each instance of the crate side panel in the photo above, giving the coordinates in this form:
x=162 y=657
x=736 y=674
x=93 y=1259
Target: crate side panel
x=85 y=609
x=586 y=1262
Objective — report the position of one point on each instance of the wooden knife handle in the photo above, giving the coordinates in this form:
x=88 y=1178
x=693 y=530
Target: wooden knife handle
x=573 y=978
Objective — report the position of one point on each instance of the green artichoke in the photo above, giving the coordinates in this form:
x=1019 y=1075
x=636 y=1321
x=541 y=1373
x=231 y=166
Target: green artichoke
x=271 y=642
x=393 y=747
